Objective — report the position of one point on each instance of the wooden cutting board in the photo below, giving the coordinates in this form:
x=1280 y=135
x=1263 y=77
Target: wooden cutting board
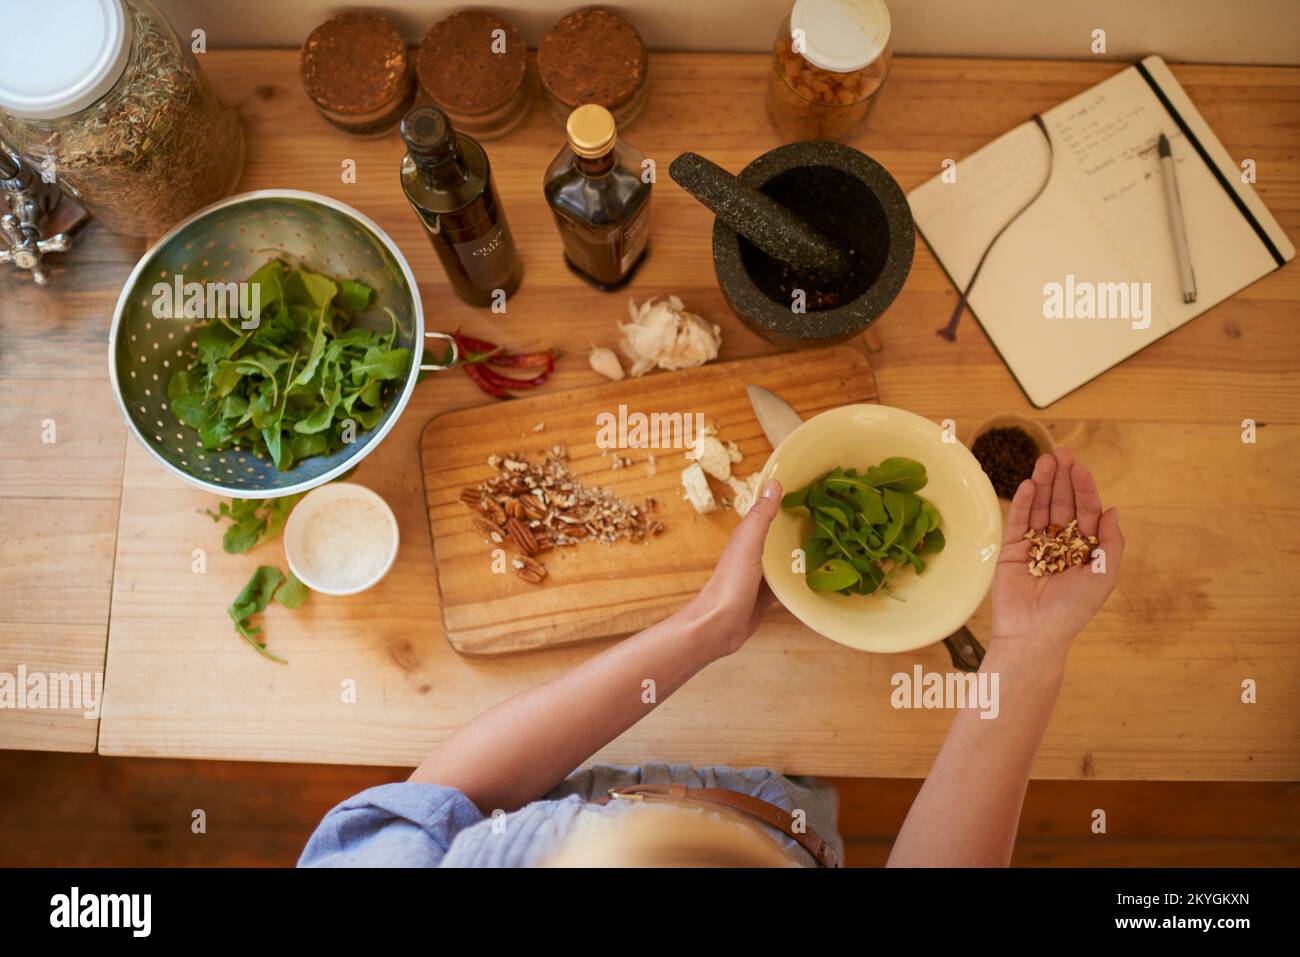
x=597 y=591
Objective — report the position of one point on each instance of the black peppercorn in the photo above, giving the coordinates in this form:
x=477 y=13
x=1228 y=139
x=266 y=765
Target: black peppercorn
x=1007 y=456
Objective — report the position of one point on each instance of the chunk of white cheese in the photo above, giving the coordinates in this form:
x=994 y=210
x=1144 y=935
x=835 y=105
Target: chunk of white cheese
x=697 y=489
x=715 y=457
x=744 y=493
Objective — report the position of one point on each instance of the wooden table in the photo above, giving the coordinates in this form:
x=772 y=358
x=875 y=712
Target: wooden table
x=1207 y=599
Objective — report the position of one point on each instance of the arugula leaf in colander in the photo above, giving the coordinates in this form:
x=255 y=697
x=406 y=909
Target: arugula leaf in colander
x=289 y=388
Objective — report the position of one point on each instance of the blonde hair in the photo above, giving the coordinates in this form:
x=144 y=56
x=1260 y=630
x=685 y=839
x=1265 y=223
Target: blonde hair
x=670 y=837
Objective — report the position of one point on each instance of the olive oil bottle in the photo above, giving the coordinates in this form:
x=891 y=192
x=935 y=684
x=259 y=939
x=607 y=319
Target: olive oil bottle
x=600 y=200
x=448 y=181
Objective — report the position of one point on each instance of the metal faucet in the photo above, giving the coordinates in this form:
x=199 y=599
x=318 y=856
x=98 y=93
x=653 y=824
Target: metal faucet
x=32 y=203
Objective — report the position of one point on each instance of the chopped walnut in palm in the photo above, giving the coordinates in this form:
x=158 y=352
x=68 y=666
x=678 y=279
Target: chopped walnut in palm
x=1056 y=549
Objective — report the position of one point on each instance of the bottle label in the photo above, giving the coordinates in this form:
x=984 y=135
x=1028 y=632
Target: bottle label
x=635 y=233
x=488 y=259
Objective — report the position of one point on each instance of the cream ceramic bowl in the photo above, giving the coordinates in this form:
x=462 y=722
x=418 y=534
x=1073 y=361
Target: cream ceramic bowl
x=955 y=581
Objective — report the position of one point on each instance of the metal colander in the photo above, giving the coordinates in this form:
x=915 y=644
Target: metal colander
x=228 y=242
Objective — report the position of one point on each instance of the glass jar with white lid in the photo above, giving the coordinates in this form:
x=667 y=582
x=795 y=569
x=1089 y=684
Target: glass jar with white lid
x=829 y=61
x=105 y=100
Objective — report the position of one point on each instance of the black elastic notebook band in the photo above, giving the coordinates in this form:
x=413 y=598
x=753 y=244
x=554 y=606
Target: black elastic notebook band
x=1213 y=167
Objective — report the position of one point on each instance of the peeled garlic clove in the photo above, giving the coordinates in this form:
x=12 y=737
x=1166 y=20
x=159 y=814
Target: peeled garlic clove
x=605 y=361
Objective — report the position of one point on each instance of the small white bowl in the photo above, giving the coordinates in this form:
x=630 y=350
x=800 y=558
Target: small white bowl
x=300 y=520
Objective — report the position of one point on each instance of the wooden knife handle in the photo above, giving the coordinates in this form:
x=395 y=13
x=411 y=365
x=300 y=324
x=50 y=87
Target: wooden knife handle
x=966 y=651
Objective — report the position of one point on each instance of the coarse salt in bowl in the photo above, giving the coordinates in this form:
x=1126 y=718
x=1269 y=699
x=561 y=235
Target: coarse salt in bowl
x=340 y=539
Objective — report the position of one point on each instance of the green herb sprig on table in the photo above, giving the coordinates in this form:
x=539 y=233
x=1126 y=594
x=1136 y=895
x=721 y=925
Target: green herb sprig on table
x=252 y=520
x=288 y=388
x=267 y=582
x=866 y=528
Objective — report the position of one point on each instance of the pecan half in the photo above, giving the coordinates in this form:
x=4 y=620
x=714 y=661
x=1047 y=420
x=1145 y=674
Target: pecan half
x=529 y=570
x=522 y=536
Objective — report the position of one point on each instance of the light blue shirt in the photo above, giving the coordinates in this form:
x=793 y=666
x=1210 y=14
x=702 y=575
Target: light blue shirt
x=426 y=825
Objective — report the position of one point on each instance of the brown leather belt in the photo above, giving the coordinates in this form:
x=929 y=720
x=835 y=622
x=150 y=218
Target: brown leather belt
x=746 y=804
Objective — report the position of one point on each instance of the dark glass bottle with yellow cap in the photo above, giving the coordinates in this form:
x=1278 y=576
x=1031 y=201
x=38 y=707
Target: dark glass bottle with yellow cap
x=598 y=189
x=448 y=181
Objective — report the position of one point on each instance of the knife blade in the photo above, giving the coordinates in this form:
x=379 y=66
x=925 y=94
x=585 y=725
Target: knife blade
x=778 y=419
x=775 y=415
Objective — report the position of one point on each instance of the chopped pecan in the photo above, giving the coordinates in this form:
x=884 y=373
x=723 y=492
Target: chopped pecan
x=1056 y=549
x=538 y=506
x=493 y=509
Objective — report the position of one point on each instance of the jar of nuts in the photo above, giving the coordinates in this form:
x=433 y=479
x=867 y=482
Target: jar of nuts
x=830 y=59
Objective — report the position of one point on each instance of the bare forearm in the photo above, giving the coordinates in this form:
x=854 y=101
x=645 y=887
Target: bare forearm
x=968 y=810
x=521 y=748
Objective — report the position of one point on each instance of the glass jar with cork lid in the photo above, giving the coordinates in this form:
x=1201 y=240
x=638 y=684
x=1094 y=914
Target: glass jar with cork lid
x=474 y=67
x=593 y=55
x=105 y=100
x=357 y=71
x=829 y=60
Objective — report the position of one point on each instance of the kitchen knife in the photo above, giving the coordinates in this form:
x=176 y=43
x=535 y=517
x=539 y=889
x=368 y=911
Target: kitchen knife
x=778 y=419
x=775 y=415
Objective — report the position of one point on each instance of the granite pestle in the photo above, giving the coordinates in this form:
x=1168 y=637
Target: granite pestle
x=767 y=224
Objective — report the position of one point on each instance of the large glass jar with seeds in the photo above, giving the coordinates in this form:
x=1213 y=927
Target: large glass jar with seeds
x=106 y=101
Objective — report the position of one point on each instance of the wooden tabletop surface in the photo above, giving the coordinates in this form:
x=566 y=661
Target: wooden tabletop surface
x=1207 y=599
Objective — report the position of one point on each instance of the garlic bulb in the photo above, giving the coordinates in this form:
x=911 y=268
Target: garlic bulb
x=662 y=334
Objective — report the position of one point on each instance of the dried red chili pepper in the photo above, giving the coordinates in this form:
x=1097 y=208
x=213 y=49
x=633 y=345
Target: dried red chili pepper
x=478 y=355
x=475 y=372
x=510 y=382
x=475 y=345
x=484 y=351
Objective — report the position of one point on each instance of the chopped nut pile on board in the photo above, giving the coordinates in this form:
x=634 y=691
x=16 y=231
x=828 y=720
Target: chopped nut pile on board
x=1056 y=549
x=540 y=506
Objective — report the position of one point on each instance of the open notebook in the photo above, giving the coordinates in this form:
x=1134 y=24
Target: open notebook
x=1101 y=220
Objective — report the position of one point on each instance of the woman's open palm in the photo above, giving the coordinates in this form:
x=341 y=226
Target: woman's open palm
x=1049 y=611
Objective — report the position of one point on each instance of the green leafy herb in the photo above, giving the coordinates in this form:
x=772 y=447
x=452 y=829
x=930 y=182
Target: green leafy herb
x=865 y=528
x=252 y=520
x=254 y=598
x=267 y=582
x=289 y=387
x=833 y=575
x=292 y=593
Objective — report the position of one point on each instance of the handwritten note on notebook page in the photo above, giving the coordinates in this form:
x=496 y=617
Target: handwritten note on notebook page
x=1101 y=220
